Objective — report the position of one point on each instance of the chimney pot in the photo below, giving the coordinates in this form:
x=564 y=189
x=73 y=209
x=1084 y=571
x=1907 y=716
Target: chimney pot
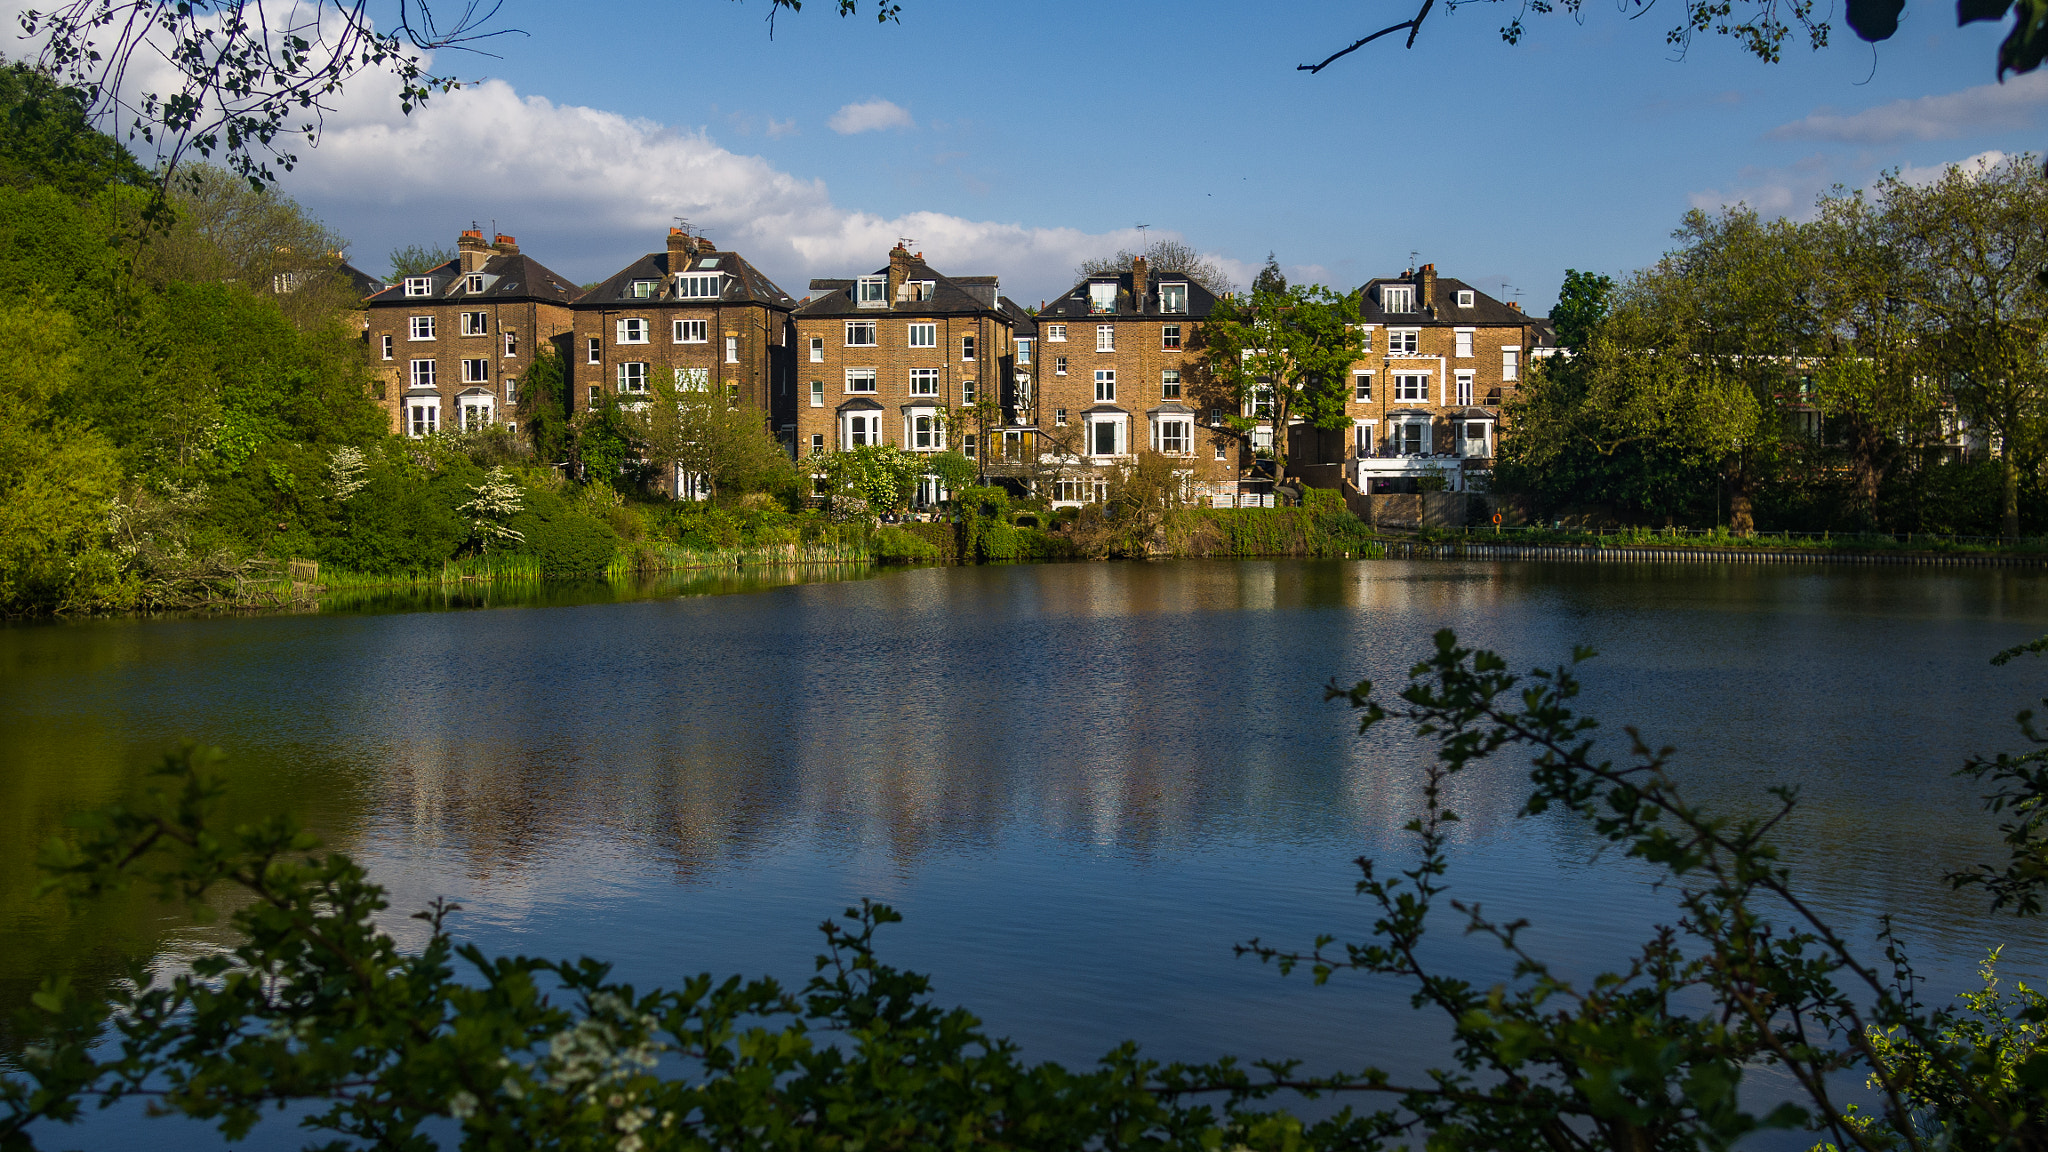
x=471 y=250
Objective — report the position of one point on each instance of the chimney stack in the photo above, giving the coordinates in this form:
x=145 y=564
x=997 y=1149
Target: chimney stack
x=506 y=245
x=681 y=247
x=1139 y=273
x=1429 y=287
x=472 y=250
x=1515 y=304
x=899 y=270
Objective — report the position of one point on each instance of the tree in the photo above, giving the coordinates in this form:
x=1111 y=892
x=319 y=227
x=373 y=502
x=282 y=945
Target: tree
x=417 y=260
x=1976 y=241
x=873 y=478
x=1270 y=279
x=223 y=231
x=46 y=138
x=1285 y=355
x=1164 y=255
x=1582 y=303
x=543 y=406
x=495 y=502
x=696 y=431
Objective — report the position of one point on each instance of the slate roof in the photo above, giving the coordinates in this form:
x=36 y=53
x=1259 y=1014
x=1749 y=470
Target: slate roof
x=358 y=280
x=505 y=278
x=743 y=283
x=1073 y=305
x=1024 y=323
x=1484 y=312
x=950 y=295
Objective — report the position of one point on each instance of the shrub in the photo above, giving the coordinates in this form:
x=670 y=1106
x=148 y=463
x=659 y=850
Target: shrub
x=893 y=545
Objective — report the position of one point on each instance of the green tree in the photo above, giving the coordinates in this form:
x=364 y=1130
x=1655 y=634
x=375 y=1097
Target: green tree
x=1976 y=242
x=47 y=140
x=223 y=231
x=417 y=260
x=873 y=478
x=1270 y=279
x=699 y=432
x=58 y=477
x=1582 y=303
x=543 y=410
x=1284 y=353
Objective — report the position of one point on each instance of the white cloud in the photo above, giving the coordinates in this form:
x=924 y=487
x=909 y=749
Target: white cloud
x=1774 y=191
x=1985 y=108
x=1975 y=166
x=869 y=116
x=587 y=191
x=777 y=129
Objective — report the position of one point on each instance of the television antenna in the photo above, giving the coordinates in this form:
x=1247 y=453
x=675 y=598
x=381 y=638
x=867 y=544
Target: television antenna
x=682 y=223
x=904 y=242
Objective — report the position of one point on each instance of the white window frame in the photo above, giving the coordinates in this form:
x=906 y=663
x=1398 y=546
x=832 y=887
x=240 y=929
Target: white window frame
x=1120 y=439
x=869 y=430
x=1361 y=387
x=419 y=286
x=390 y=348
x=1169 y=337
x=632 y=377
x=967 y=348
x=643 y=289
x=511 y=336
x=732 y=349
x=420 y=374
x=1023 y=349
x=1105 y=385
x=1404 y=341
x=872 y=292
x=1411 y=387
x=700 y=285
x=1056 y=333
x=1397 y=299
x=1462 y=393
x=864 y=376
x=1511 y=362
x=1186 y=435
x=1362 y=434
x=420 y=327
x=1465 y=298
x=1170 y=287
x=1097 y=297
x=689 y=332
x=595 y=352
x=474 y=282
x=1463 y=349
x=929 y=438
x=1169 y=383
x=475 y=413
x=967 y=393
x=422 y=416
x=872 y=330
x=924 y=382
x=817 y=393
x=923 y=335
x=476 y=371
x=1059 y=365
x=693 y=379
x=632 y=330
x=1105 y=337
x=476 y=323
x=817 y=349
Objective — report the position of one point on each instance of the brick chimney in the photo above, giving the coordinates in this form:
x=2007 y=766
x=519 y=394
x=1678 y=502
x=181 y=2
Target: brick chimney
x=681 y=247
x=1429 y=287
x=472 y=250
x=1139 y=273
x=899 y=270
x=506 y=245
x=1515 y=304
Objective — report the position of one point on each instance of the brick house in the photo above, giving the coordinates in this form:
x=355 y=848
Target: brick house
x=448 y=347
x=1425 y=400
x=703 y=317
x=1117 y=373
x=904 y=356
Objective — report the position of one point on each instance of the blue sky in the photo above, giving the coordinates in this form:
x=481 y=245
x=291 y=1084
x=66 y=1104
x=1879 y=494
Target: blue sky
x=1017 y=138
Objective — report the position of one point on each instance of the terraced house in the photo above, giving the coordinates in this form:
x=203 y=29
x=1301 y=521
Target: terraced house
x=1116 y=375
x=695 y=314
x=903 y=356
x=1425 y=401
x=448 y=347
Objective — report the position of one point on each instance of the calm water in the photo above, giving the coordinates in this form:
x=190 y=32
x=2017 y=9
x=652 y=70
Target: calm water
x=1081 y=783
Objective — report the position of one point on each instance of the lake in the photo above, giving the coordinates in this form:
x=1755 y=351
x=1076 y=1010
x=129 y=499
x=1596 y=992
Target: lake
x=1081 y=783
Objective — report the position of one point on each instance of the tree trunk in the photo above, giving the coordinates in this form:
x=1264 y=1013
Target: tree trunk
x=2009 y=504
x=1740 y=522
x=1279 y=442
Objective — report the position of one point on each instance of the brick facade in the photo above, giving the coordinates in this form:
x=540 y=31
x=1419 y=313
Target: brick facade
x=700 y=316
x=1117 y=372
x=448 y=348
x=903 y=356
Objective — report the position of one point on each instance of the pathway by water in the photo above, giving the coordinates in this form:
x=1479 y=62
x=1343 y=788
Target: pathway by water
x=1081 y=783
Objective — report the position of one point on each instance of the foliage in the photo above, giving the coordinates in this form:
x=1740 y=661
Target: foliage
x=417 y=260
x=1164 y=255
x=223 y=231
x=891 y=544
x=543 y=409
x=955 y=471
x=872 y=478
x=1582 y=303
x=568 y=540
x=58 y=477
x=1290 y=349
x=497 y=500
x=47 y=139
x=697 y=431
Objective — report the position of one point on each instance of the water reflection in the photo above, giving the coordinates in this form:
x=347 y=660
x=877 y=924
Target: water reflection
x=1056 y=769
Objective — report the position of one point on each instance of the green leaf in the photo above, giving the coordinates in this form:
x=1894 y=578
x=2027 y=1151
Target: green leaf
x=1875 y=20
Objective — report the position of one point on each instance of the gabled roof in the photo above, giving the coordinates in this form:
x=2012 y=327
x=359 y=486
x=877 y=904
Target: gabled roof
x=513 y=277
x=1074 y=304
x=951 y=295
x=359 y=281
x=1484 y=312
x=742 y=282
x=1024 y=323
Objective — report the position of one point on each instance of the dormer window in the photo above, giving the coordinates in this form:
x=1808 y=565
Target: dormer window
x=643 y=289
x=914 y=291
x=872 y=292
x=1173 y=297
x=1102 y=297
x=698 y=285
x=474 y=282
x=1464 y=299
x=1397 y=297
x=418 y=286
